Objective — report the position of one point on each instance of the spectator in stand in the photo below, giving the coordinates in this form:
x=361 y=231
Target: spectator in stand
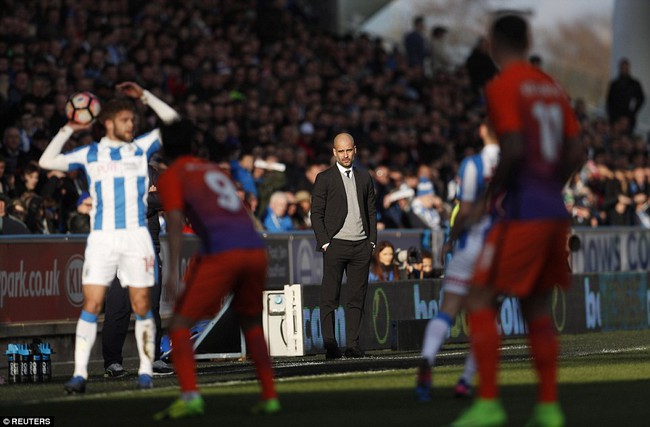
x=292 y=208
x=306 y=182
x=270 y=179
x=28 y=180
x=580 y=202
x=383 y=186
x=252 y=92
x=416 y=44
x=242 y=171
x=11 y=150
x=7 y=180
x=39 y=217
x=79 y=221
x=425 y=205
x=277 y=220
x=17 y=209
x=382 y=266
x=39 y=141
x=442 y=62
x=396 y=208
x=18 y=88
x=625 y=97
x=8 y=224
x=424 y=269
x=617 y=205
x=638 y=191
x=480 y=66
x=25 y=130
x=302 y=217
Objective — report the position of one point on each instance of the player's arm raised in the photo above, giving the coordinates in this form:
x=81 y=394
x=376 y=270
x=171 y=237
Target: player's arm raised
x=133 y=90
x=52 y=159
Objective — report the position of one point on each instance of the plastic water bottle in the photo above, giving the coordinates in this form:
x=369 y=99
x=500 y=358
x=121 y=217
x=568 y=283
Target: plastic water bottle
x=46 y=362
x=23 y=350
x=35 y=364
x=14 y=364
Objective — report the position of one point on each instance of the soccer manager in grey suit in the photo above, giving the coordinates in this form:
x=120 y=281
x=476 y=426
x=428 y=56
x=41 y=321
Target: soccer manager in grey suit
x=345 y=223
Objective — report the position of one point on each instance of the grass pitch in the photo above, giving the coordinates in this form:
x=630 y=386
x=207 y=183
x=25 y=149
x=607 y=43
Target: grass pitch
x=604 y=381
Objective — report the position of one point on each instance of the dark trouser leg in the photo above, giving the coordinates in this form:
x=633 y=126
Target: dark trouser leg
x=116 y=323
x=330 y=291
x=156 y=291
x=357 y=272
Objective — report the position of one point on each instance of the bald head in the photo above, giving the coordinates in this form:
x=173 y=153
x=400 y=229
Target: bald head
x=343 y=138
x=344 y=149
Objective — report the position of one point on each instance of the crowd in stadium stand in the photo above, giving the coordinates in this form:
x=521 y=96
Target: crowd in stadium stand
x=267 y=92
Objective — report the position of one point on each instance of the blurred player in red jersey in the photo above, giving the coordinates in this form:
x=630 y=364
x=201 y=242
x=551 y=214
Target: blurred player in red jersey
x=232 y=259
x=525 y=253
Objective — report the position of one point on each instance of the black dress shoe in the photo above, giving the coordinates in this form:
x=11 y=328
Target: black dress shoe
x=333 y=353
x=354 y=353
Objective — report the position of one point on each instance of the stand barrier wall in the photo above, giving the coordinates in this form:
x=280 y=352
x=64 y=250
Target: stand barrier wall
x=40 y=277
x=40 y=284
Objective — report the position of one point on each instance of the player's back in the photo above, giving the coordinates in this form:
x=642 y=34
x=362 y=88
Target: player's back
x=525 y=100
x=209 y=199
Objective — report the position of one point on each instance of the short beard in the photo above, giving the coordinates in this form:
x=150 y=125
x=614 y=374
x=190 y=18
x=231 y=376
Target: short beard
x=122 y=137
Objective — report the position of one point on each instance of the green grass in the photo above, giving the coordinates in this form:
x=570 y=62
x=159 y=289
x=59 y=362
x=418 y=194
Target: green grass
x=604 y=381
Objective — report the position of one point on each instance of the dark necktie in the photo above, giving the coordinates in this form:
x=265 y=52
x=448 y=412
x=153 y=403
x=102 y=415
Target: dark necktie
x=347 y=172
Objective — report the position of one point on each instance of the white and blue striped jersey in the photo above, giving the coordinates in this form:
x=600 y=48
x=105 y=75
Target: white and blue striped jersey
x=118 y=179
x=475 y=173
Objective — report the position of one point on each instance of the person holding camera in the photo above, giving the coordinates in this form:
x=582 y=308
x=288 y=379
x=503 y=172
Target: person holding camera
x=420 y=264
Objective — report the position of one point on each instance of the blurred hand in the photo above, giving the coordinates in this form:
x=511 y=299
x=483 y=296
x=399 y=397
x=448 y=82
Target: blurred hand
x=76 y=127
x=130 y=89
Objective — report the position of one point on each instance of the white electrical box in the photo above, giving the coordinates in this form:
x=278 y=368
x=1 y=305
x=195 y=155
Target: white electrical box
x=282 y=321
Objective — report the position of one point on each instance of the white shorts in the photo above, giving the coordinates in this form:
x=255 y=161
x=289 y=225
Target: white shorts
x=460 y=269
x=128 y=254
